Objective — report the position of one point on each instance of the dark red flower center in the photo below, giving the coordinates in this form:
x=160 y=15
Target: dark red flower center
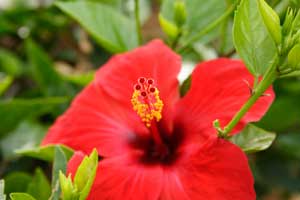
x=148 y=105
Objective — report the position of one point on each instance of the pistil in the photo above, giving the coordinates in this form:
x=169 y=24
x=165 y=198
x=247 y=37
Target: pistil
x=148 y=105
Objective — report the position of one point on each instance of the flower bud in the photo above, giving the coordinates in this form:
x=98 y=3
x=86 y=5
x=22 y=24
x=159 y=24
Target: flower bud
x=293 y=57
x=169 y=28
x=180 y=12
x=271 y=20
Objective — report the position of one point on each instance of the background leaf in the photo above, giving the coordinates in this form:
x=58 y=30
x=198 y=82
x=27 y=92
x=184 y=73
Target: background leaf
x=26 y=136
x=39 y=187
x=112 y=30
x=200 y=13
x=17 y=110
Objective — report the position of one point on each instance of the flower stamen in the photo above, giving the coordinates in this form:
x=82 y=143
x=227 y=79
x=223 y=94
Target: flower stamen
x=146 y=101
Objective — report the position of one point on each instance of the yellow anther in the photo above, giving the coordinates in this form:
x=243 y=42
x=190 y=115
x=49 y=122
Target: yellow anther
x=146 y=102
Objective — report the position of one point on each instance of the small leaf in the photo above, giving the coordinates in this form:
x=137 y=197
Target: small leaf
x=112 y=30
x=293 y=57
x=168 y=27
x=271 y=20
x=69 y=191
x=86 y=173
x=253 y=139
x=21 y=196
x=252 y=39
x=39 y=187
x=46 y=153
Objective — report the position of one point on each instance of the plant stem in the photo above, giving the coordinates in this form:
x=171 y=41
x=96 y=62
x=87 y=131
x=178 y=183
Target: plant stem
x=137 y=20
x=209 y=28
x=266 y=82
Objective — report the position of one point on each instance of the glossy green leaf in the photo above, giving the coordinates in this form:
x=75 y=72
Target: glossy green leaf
x=17 y=110
x=46 y=153
x=252 y=39
x=59 y=164
x=21 y=196
x=86 y=173
x=253 y=139
x=27 y=135
x=10 y=63
x=271 y=20
x=111 y=30
x=42 y=67
x=17 y=182
x=39 y=187
x=199 y=14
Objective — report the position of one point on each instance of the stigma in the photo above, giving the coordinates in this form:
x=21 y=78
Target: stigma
x=146 y=101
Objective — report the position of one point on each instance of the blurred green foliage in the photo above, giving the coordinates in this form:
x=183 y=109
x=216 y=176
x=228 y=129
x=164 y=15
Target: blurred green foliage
x=46 y=58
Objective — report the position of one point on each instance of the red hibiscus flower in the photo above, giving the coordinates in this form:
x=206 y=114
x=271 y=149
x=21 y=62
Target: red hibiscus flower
x=155 y=145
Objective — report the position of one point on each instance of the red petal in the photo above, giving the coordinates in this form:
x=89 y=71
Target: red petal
x=154 y=60
x=95 y=120
x=219 y=171
x=219 y=89
x=123 y=178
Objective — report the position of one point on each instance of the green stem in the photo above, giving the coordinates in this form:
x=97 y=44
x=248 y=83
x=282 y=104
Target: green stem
x=209 y=28
x=266 y=82
x=137 y=20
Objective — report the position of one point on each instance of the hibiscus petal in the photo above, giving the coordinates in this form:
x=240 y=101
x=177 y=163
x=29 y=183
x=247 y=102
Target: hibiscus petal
x=154 y=60
x=94 y=120
x=122 y=178
x=219 y=89
x=219 y=171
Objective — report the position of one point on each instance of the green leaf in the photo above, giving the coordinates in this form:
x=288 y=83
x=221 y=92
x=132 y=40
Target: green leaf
x=2 y=195
x=10 y=63
x=39 y=187
x=17 y=182
x=5 y=83
x=271 y=20
x=43 y=71
x=111 y=30
x=46 y=153
x=60 y=164
x=252 y=39
x=293 y=57
x=21 y=196
x=253 y=139
x=17 y=110
x=86 y=173
x=200 y=13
